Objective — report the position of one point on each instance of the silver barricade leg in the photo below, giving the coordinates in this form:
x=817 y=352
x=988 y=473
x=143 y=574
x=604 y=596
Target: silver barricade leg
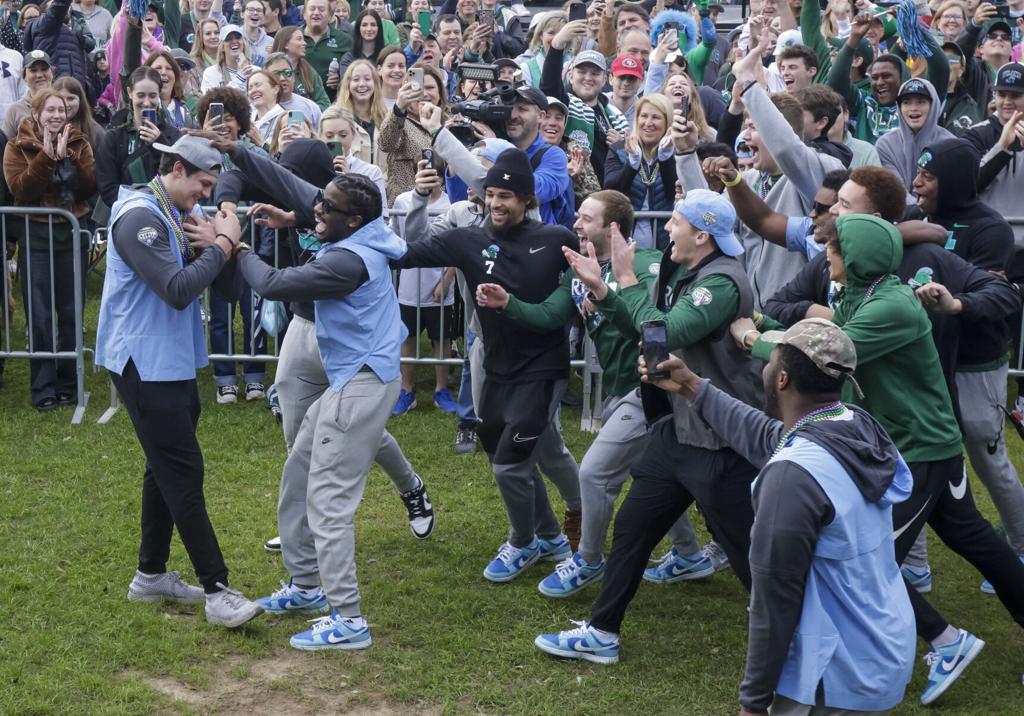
x=79 y=289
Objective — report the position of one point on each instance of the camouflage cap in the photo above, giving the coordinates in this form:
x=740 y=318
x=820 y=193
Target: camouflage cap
x=824 y=343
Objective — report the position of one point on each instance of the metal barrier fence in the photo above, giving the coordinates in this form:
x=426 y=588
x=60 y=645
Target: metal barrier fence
x=45 y=298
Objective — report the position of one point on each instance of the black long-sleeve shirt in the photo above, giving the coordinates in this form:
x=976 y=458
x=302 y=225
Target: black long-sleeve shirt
x=527 y=261
x=334 y=275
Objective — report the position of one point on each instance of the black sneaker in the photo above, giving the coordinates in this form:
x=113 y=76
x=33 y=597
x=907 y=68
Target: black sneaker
x=421 y=513
x=465 y=441
x=66 y=399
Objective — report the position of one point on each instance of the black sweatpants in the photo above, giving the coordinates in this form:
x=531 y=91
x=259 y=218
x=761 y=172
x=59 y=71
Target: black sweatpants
x=165 y=415
x=942 y=498
x=666 y=480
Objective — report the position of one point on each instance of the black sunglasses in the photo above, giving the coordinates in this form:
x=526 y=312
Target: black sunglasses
x=821 y=209
x=326 y=206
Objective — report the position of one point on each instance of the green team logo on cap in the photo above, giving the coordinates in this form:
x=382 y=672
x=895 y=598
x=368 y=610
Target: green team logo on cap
x=926 y=157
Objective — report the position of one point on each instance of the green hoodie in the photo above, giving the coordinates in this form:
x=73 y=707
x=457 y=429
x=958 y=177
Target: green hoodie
x=616 y=348
x=897 y=364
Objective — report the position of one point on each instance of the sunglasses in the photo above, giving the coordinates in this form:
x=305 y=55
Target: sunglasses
x=998 y=36
x=326 y=206
x=283 y=74
x=821 y=209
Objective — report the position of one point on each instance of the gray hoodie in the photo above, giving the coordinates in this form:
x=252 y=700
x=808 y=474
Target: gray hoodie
x=900 y=148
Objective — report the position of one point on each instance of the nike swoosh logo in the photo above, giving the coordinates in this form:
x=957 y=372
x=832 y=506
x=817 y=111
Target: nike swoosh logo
x=332 y=638
x=517 y=439
x=533 y=251
x=580 y=645
x=896 y=534
x=958 y=491
x=947 y=664
x=960 y=226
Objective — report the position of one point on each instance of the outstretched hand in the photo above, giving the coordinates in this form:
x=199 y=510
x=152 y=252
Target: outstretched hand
x=587 y=269
x=623 y=255
x=272 y=216
x=680 y=379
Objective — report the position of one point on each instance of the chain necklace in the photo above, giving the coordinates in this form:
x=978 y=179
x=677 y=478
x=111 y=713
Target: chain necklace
x=827 y=412
x=872 y=287
x=160 y=192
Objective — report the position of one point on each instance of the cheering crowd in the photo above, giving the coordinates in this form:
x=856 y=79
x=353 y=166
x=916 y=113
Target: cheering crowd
x=786 y=241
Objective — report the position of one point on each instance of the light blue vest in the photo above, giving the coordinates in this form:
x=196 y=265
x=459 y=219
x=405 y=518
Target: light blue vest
x=364 y=327
x=165 y=343
x=857 y=633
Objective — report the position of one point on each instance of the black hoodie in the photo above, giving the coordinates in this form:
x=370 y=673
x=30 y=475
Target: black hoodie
x=790 y=510
x=976 y=233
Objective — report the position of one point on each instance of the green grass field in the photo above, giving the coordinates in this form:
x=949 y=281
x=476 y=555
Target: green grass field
x=446 y=640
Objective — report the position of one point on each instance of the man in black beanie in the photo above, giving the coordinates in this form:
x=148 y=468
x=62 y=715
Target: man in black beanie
x=525 y=371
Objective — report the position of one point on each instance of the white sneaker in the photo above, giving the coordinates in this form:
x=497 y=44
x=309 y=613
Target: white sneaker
x=273 y=544
x=719 y=559
x=255 y=391
x=227 y=394
x=230 y=608
x=159 y=587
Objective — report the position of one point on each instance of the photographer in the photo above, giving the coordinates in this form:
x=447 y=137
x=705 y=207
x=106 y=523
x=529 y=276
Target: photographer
x=553 y=186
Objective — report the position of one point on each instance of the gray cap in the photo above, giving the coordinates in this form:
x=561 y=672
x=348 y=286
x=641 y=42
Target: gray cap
x=31 y=58
x=185 y=61
x=197 y=151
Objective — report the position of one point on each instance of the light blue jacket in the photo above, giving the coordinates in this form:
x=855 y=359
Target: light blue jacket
x=165 y=343
x=856 y=635
x=364 y=327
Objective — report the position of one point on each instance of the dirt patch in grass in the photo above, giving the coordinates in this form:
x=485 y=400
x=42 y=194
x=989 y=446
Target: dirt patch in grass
x=290 y=683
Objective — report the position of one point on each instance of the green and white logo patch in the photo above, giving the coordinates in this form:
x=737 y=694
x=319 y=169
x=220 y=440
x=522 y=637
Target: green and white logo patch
x=701 y=296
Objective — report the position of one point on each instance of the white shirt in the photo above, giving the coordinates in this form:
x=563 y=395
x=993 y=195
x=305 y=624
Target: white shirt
x=267 y=122
x=12 y=88
x=416 y=286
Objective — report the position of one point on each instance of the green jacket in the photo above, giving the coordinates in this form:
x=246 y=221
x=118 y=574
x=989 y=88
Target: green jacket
x=316 y=93
x=897 y=363
x=616 y=347
x=331 y=46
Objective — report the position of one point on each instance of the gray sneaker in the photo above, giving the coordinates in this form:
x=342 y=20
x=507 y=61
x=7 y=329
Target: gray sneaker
x=719 y=559
x=230 y=608
x=159 y=587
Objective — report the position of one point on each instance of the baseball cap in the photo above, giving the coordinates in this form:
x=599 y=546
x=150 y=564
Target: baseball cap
x=591 y=57
x=955 y=49
x=506 y=62
x=491 y=148
x=30 y=58
x=197 y=151
x=628 y=65
x=824 y=343
x=1010 y=78
x=185 y=61
x=1000 y=23
x=555 y=102
x=532 y=95
x=789 y=38
x=230 y=30
x=711 y=212
x=911 y=87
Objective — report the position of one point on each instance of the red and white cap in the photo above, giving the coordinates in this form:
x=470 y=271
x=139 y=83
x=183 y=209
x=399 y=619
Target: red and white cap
x=628 y=65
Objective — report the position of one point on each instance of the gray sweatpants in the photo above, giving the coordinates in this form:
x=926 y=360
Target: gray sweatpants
x=300 y=381
x=346 y=429
x=604 y=469
x=981 y=398
x=552 y=456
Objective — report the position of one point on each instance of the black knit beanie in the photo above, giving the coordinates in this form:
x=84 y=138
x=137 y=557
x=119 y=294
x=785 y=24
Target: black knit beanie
x=511 y=171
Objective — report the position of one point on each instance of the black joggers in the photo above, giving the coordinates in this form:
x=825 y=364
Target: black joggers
x=165 y=415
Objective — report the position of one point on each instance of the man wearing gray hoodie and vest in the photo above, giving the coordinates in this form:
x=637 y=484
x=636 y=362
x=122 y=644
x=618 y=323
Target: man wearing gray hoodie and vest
x=359 y=332
x=701 y=288
x=831 y=627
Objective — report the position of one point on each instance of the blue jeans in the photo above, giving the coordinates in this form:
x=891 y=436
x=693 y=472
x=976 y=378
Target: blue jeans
x=464 y=402
x=222 y=339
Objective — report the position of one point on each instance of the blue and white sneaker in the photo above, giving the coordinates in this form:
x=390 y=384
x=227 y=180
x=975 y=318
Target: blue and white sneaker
x=948 y=663
x=406 y=402
x=570 y=576
x=290 y=598
x=555 y=550
x=674 y=567
x=511 y=561
x=580 y=643
x=987 y=587
x=444 y=401
x=334 y=632
x=921 y=581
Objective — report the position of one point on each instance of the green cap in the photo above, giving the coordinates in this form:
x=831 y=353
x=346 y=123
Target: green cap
x=824 y=343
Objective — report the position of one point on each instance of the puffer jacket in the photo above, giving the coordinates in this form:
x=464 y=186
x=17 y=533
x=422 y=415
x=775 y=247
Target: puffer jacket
x=37 y=179
x=49 y=34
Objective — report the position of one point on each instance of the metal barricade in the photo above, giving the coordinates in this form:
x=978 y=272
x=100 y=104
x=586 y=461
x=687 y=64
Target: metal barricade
x=13 y=218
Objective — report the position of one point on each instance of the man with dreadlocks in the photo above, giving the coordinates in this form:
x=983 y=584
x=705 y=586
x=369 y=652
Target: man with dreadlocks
x=359 y=333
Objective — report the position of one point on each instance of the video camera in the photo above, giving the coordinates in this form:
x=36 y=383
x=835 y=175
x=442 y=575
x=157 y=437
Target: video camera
x=493 y=107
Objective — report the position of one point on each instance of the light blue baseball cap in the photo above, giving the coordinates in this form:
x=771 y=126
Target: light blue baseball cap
x=713 y=213
x=491 y=148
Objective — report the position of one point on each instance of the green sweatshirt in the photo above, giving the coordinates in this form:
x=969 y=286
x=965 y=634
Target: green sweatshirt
x=708 y=306
x=616 y=348
x=332 y=45
x=897 y=364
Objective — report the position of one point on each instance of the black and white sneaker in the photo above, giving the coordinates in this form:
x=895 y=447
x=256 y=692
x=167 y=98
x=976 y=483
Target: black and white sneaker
x=421 y=513
x=255 y=391
x=465 y=441
x=227 y=394
x=273 y=544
